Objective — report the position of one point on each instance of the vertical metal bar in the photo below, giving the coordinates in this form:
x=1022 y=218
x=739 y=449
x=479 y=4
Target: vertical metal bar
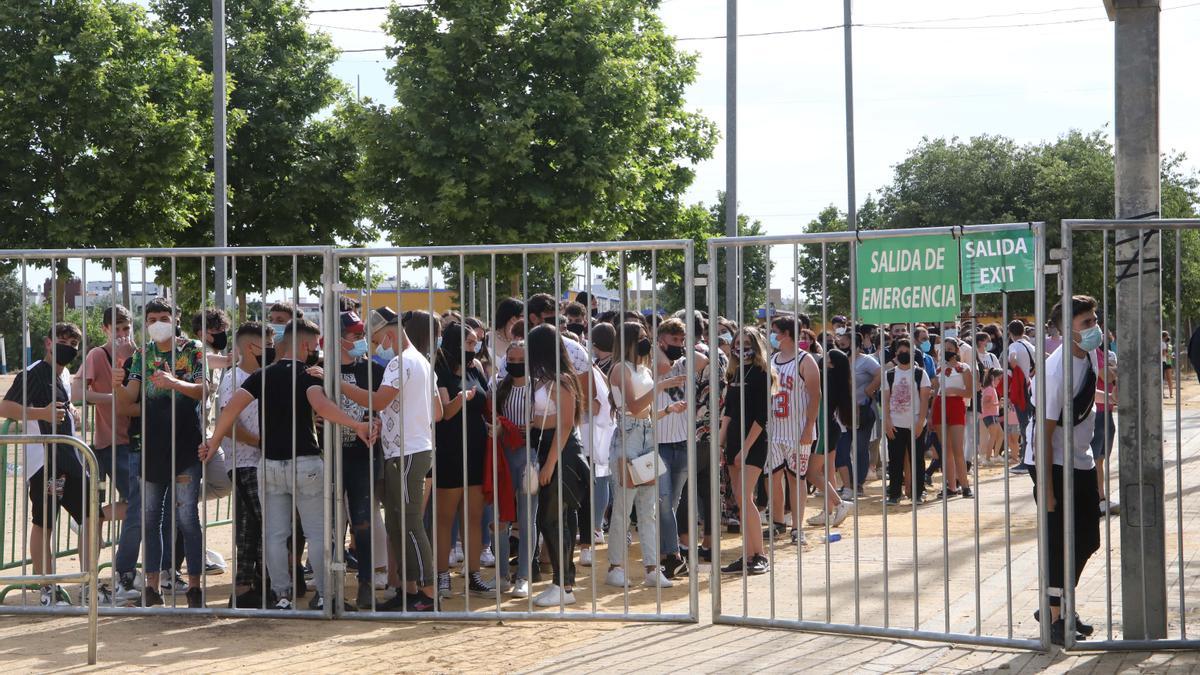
x=462 y=412
x=731 y=150
x=693 y=514
x=202 y=506
x=883 y=451
x=1066 y=425
x=800 y=492
x=856 y=351
x=497 y=533
x=175 y=529
x=1178 y=432
x=1108 y=455
x=974 y=421
x=233 y=444
x=50 y=503
x=1008 y=450
x=943 y=377
x=219 y=143
x=529 y=539
x=715 y=412
x=401 y=343
x=851 y=199
x=1037 y=433
x=769 y=474
x=747 y=505
x=262 y=432
x=296 y=552
x=331 y=451
x=366 y=305
x=657 y=509
x=145 y=347
x=566 y=550
x=626 y=507
x=112 y=407
x=917 y=476
x=433 y=351
x=26 y=356
x=829 y=421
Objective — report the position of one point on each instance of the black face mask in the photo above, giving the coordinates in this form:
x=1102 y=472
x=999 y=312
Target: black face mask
x=516 y=369
x=268 y=357
x=220 y=341
x=674 y=353
x=577 y=328
x=951 y=356
x=64 y=354
x=643 y=347
x=903 y=358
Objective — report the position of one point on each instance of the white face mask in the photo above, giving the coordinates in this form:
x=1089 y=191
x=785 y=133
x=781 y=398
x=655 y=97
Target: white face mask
x=160 y=331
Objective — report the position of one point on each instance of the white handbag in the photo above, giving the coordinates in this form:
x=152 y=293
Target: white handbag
x=646 y=469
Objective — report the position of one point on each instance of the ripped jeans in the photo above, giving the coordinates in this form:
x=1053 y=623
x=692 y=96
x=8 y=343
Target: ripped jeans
x=156 y=503
x=277 y=493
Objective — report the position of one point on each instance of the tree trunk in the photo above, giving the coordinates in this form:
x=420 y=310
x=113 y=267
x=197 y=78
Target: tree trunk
x=241 y=307
x=60 y=294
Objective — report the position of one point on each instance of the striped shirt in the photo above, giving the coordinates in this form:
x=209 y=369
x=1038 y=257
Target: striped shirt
x=672 y=428
x=790 y=402
x=516 y=408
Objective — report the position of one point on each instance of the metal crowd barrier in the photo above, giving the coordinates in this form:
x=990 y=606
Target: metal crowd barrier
x=847 y=572
x=1152 y=582
x=89 y=573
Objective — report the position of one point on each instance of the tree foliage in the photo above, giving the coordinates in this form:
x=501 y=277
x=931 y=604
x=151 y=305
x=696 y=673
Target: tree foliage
x=102 y=130
x=533 y=121
x=993 y=179
x=293 y=154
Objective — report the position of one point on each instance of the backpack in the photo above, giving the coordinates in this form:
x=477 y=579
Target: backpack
x=1017 y=387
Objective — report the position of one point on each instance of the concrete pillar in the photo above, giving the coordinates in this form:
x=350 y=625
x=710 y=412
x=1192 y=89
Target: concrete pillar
x=1139 y=324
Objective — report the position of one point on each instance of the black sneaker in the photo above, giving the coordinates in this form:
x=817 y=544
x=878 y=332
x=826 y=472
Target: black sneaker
x=966 y=492
x=946 y=494
x=758 y=565
x=417 y=602
x=1058 y=633
x=1082 y=630
x=152 y=597
x=674 y=566
x=928 y=480
x=704 y=554
x=893 y=501
x=251 y=599
x=195 y=598
x=734 y=567
x=780 y=530
x=366 y=594
x=476 y=585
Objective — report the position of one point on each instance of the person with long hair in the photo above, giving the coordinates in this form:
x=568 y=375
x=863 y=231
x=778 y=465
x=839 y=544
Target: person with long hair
x=743 y=435
x=953 y=385
x=555 y=412
x=633 y=396
x=462 y=387
x=512 y=402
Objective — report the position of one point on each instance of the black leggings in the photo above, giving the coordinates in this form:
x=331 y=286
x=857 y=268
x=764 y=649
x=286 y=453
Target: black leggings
x=559 y=526
x=1087 y=525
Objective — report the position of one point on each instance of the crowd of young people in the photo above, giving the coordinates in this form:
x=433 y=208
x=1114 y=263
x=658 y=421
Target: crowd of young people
x=540 y=437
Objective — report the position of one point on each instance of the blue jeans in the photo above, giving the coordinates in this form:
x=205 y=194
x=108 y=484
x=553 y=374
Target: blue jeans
x=866 y=421
x=308 y=474
x=670 y=489
x=356 y=480
x=187 y=517
x=634 y=438
x=526 y=518
x=128 y=484
x=601 y=494
x=1101 y=444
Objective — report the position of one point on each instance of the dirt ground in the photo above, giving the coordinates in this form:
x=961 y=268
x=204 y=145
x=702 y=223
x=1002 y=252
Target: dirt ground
x=954 y=590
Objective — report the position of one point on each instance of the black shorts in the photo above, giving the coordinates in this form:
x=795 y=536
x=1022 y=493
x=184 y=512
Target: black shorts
x=449 y=463
x=755 y=456
x=73 y=498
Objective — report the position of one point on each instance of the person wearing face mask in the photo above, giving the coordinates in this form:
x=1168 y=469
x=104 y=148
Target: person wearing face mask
x=168 y=373
x=280 y=315
x=634 y=398
x=1068 y=426
x=382 y=335
x=853 y=449
x=672 y=432
x=793 y=421
x=603 y=337
x=211 y=326
x=361 y=465
x=905 y=403
x=954 y=383
x=290 y=397
x=509 y=313
x=241 y=447
x=41 y=394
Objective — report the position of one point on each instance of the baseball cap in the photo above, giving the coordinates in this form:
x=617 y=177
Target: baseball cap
x=382 y=317
x=351 y=323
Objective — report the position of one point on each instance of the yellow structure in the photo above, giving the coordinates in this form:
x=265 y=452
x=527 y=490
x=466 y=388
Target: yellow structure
x=406 y=299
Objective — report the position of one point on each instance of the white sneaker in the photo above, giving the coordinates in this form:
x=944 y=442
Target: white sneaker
x=520 y=589
x=798 y=538
x=840 y=513
x=506 y=586
x=657 y=578
x=456 y=554
x=585 y=557
x=818 y=519
x=615 y=577
x=214 y=563
x=104 y=596
x=380 y=580
x=53 y=596
x=598 y=537
x=487 y=558
x=553 y=597
x=1109 y=507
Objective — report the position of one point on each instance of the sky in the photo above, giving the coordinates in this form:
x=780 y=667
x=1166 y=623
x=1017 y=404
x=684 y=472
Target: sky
x=1029 y=69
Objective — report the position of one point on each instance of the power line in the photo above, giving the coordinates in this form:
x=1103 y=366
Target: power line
x=366 y=9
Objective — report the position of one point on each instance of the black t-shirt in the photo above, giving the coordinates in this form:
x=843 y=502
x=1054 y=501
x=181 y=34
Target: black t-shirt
x=365 y=375
x=277 y=405
x=37 y=387
x=757 y=391
x=449 y=431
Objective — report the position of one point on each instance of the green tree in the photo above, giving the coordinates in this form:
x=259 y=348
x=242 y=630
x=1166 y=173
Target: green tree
x=102 y=142
x=293 y=154
x=533 y=121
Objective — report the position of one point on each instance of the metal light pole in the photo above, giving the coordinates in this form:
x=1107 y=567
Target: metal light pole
x=851 y=199
x=733 y=254
x=219 y=140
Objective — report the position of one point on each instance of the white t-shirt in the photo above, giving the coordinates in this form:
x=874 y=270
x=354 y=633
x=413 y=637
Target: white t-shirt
x=244 y=456
x=672 y=427
x=1021 y=352
x=1081 y=437
x=596 y=433
x=905 y=397
x=408 y=419
x=576 y=354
